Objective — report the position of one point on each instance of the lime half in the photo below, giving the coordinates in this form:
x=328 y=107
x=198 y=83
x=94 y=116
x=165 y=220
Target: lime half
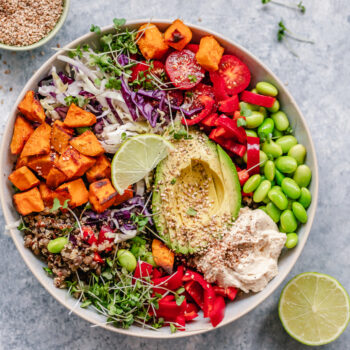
x=314 y=308
x=136 y=158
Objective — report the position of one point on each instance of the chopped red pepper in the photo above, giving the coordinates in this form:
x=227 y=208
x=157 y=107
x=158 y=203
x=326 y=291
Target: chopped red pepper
x=253 y=155
x=238 y=115
x=169 y=309
x=229 y=292
x=181 y=322
x=143 y=269
x=105 y=229
x=172 y=282
x=230 y=145
x=219 y=86
x=195 y=290
x=157 y=273
x=231 y=126
x=208 y=104
x=192 y=47
x=98 y=258
x=217 y=313
x=250 y=194
x=210 y=120
x=243 y=176
x=257 y=99
x=89 y=235
x=230 y=105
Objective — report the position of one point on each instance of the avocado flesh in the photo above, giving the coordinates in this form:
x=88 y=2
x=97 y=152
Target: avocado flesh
x=198 y=175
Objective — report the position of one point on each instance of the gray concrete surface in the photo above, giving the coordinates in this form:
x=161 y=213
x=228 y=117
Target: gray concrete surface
x=319 y=81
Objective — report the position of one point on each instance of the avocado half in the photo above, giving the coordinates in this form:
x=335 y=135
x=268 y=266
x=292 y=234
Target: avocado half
x=194 y=162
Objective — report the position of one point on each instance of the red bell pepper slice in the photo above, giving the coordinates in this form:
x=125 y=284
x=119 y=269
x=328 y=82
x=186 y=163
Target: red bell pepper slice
x=219 y=86
x=231 y=146
x=250 y=194
x=169 y=309
x=102 y=234
x=181 y=322
x=172 y=282
x=243 y=176
x=208 y=104
x=217 y=313
x=257 y=99
x=219 y=291
x=157 y=273
x=231 y=126
x=191 y=307
x=98 y=258
x=143 y=269
x=229 y=292
x=192 y=47
x=253 y=155
x=210 y=120
x=195 y=290
x=89 y=235
x=230 y=105
x=189 y=316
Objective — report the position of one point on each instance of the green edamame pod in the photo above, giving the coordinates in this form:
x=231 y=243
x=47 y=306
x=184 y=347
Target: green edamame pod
x=254 y=120
x=287 y=142
x=252 y=183
x=278 y=198
x=266 y=127
x=269 y=170
x=290 y=188
x=277 y=133
x=275 y=108
x=262 y=191
x=273 y=212
x=251 y=133
x=126 y=259
x=267 y=89
x=299 y=212
x=281 y=120
x=298 y=152
x=286 y=164
x=57 y=244
x=302 y=175
x=292 y=240
x=271 y=147
x=279 y=177
x=305 y=197
x=288 y=221
x=262 y=158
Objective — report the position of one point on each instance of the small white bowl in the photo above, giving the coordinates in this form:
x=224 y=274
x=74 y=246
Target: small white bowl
x=234 y=310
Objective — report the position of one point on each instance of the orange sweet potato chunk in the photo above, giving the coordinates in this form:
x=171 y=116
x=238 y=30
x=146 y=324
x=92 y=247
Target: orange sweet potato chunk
x=74 y=164
x=87 y=144
x=77 y=117
x=42 y=164
x=60 y=136
x=21 y=133
x=209 y=53
x=101 y=170
x=178 y=35
x=78 y=193
x=28 y=202
x=102 y=195
x=24 y=179
x=39 y=142
x=31 y=108
x=163 y=256
x=151 y=42
x=21 y=161
x=48 y=195
x=120 y=198
x=55 y=177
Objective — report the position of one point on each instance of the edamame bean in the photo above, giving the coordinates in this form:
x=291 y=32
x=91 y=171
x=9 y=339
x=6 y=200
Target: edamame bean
x=254 y=120
x=275 y=108
x=305 y=197
x=263 y=208
x=281 y=120
x=278 y=198
x=271 y=147
x=249 y=106
x=267 y=200
x=252 y=183
x=279 y=177
x=290 y=204
x=292 y=240
x=273 y=212
x=287 y=142
x=269 y=170
x=290 y=188
x=277 y=133
x=267 y=89
x=302 y=175
x=276 y=187
x=262 y=158
x=255 y=91
x=299 y=212
x=251 y=133
x=298 y=152
x=288 y=221
x=286 y=164
x=266 y=127
x=57 y=244
x=281 y=229
x=126 y=259
x=261 y=192
x=263 y=111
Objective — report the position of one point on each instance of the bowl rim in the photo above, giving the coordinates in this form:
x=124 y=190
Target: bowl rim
x=45 y=39
x=296 y=251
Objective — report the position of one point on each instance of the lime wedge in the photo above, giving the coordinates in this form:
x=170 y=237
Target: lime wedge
x=314 y=308
x=136 y=158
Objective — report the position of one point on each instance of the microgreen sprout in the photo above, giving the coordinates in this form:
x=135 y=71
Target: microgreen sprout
x=299 y=7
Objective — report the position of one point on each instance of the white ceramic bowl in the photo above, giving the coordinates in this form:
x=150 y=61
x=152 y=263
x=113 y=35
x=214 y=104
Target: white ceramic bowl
x=235 y=309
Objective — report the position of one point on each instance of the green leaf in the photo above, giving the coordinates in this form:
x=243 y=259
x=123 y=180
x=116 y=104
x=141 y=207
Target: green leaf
x=192 y=212
x=244 y=110
x=95 y=29
x=180 y=290
x=173 y=181
x=179 y=300
x=22 y=226
x=48 y=270
x=265 y=1
x=173 y=328
x=57 y=205
x=118 y=22
x=241 y=122
x=192 y=78
x=85 y=304
x=301 y=7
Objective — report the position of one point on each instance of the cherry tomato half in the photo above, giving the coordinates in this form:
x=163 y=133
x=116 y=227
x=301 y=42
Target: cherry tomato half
x=157 y=69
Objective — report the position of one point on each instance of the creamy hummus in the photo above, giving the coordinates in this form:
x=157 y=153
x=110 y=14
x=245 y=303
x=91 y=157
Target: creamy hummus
x=246 y=257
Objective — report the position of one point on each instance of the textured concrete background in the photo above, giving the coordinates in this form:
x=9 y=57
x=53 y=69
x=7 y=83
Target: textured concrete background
x=319 y=80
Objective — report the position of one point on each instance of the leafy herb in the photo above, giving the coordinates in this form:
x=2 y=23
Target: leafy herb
x=140 y=220
x=57 y=205
x=244 y=110
x=300 y=7
x=173 y=328
x=124 y=136
x=241 y=122
x=114 y=83
x=22 y=226
x=283 y=31
x=95 y=29
x=48 y=270
x=68 y=230
x=179 y=299
x=79 y=100
x=173 y=181
x=189 y=94
x=192 y=212
x=181 y=133
x=264 y=137
x=192 y=78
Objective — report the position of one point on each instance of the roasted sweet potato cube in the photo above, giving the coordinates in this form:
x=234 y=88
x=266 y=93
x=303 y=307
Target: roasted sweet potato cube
x=77 y=117
x=78 y=193
x=209 y=53
x=178 y=35
x=39 y=142
x=42 y=164
x=163 y=256
x=28 y=202
x=151 y=42
x=87 y=144
x=55 y=177
x=21 y=161
x=21 y=133
x=24 y=179
x=74 y=164
x=101 y=169
x=48 y=195
x=102 y=195
x=31 y=108
x=120 y=198
x=60 y=136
